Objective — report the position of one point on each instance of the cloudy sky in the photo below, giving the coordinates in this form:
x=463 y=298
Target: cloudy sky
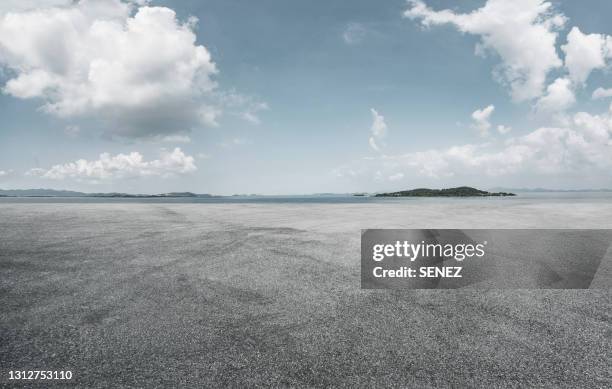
x=283 y=97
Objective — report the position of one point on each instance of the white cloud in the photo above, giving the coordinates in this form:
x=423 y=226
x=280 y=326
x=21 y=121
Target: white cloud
x=583 y=148
x=373 y=144
x=601 y=93
x=120 y=166
x=245 y=107
x=559 y=96
x=251 y=118
x=521 y=32
x=7 y=6
x=138 y=69
x=353 y=33
x=378 y=129
x=583 y=54
x=481 y=119
x=7 y=174
x=35 y=172
x=595 y=128
x=503 y=129
x=251 y=111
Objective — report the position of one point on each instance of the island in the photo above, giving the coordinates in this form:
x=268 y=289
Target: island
x=462 y=191
x=67 y=193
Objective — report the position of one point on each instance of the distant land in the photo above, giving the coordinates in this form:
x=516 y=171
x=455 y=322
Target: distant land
x=69 y=193
x=462 y=191
x=545 y=190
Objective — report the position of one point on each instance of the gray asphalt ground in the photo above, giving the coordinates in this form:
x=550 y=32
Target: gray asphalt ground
x=240 y=295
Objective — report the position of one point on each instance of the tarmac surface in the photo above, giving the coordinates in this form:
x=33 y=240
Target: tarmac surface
x=242 y=295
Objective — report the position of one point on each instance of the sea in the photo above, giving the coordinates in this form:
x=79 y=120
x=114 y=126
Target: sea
x=521 y=197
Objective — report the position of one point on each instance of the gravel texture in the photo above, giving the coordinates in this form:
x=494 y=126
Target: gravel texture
x=240 y=295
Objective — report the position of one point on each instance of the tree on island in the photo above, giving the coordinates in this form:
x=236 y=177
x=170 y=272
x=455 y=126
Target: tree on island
x=462 y=191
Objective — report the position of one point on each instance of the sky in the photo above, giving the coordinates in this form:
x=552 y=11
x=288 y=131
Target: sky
x=295 y=97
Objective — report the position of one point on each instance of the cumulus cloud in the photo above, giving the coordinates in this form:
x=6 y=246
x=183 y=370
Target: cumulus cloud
x=481 y=120
x=523 y=34
x=584 y=147
x=138 y=69
x=594 y=128
x=584 y=53
x=120 y=166
x=601 y=93
x=378 y=129
x=559 y=96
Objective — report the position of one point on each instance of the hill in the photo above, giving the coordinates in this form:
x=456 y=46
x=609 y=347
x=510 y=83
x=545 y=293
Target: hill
x=462 y=191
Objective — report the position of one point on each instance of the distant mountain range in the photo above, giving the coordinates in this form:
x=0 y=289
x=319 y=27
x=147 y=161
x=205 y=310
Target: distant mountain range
x=69 y=193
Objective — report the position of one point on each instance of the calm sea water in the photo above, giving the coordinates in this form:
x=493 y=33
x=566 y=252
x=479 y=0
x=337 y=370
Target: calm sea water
x=340 y=199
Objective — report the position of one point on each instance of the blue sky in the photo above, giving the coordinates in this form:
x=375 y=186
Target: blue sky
x=283 y=97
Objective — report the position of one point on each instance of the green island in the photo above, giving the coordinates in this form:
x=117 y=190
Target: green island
x=462 y=191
